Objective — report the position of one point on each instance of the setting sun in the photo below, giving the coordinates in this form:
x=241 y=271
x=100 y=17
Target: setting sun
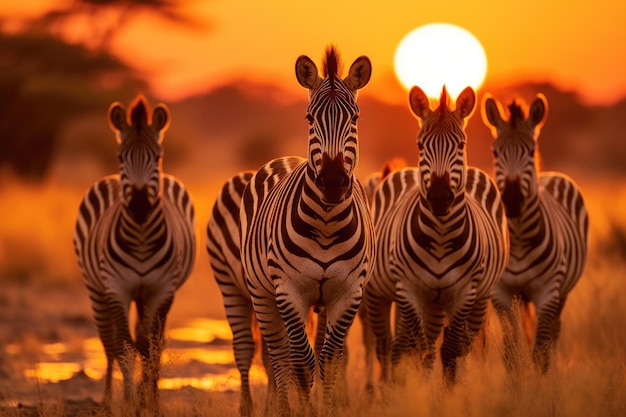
x=437 y=54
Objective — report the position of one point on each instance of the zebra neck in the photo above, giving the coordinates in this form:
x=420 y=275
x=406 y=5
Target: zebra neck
x=446 y=227
x=530 y=228
x=316 y=219
x=141 y=240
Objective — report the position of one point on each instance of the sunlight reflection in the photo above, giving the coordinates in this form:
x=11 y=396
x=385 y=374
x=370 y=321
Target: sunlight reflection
x=210 y=356
x=202 y=330
x=53 y=371
x=182 y=364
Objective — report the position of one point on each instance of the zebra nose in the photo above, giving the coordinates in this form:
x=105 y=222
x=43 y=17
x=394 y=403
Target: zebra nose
x=512 y=197
x=333 y=181
x=333 y=186
x=139 y=204
x=440 y=196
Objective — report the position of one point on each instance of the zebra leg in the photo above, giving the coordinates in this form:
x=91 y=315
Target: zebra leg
x=409 y=333
x=270 y=399
x=369 y=342
x=274 y=334
x=548 y=308
x=123 y=345
x=433 y=319
x=509 y=310
x=378 y=321
x=106 y=331
x=320 y=336
x=457 y=335
x=152 y=312
x=239 y=315
x=339 y=319
x=302 y=357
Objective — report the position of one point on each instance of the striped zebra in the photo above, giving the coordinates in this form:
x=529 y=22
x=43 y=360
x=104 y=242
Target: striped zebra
x=373 y=179
x=547 y=221
x=370 y=184
x=442 y=242
x=134 y=240
x=307 y=234
x=223 y=246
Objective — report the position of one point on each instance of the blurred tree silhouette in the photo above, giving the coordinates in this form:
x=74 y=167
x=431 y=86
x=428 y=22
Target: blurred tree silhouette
x=106 y=17
x=44 y=83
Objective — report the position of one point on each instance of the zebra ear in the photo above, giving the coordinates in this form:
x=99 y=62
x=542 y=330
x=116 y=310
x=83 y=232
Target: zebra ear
x=492 y=113
x=161 y=118
x=117 y=117
x=465 y=103
x=306 y=72
x=538 y=111
x=359 y=74
x=419 y=103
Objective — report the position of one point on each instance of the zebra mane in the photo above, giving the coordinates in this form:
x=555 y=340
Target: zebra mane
x=443 y=101
x=138 y=111
x=517 y=113
x=331 y=66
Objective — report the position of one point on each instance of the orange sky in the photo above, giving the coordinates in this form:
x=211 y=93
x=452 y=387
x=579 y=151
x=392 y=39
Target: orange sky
x=579 y=46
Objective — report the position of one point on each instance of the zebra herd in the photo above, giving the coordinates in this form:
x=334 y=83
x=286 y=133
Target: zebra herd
x=302 y=235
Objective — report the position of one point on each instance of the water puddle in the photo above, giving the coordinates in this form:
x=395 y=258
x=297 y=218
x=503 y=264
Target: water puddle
x=198 y=354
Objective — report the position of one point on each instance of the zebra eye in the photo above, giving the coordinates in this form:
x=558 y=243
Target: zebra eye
x=309 y=118
x=461 y=146
x=495 y=153
x=355 y=118
x=420 y=145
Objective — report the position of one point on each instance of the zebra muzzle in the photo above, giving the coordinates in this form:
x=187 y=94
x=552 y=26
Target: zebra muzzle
x=512 y=197
x=440 y=195
x=332 y=180
x=139 y=204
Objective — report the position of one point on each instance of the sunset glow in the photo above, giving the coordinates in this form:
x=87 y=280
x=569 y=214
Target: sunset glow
x=437 y=54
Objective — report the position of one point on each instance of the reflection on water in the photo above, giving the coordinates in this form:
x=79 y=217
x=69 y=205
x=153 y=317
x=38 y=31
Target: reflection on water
x=198 y=354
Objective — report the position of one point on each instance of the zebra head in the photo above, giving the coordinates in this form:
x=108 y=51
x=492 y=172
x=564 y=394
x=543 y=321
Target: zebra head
x=515 y=150
x=441 y=143
x=332 y=115
x=139 y=137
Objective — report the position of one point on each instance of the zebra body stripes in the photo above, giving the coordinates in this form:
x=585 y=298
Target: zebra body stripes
x=547 y=220
x=224 y=248
x=442 y=242
x=307 y=236
x=134 y=241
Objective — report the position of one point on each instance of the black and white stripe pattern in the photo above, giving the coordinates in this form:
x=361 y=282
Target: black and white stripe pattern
x=442 y=244
x=224 y=248
x=547 y=220
x=307 y=235
x=134 y=240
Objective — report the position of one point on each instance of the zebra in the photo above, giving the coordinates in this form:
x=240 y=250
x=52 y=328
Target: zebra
x=442 y=244
x=547 y=221
x=373 y=179
x=307 y=239
x=223 y=246
x=134 y=241
x=223 y=243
